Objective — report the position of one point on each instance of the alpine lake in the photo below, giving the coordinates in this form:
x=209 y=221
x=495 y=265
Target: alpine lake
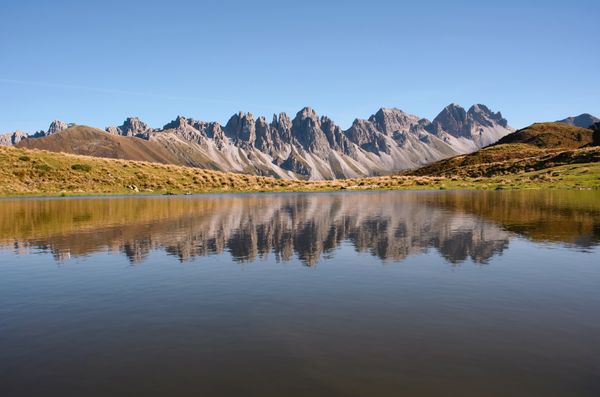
x=446 y=293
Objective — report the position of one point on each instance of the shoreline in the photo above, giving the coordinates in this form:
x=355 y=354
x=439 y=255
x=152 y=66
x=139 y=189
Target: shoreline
x=429 y=188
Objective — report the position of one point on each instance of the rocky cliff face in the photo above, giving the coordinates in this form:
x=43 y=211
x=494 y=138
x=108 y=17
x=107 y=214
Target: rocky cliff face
x=12 y=138
x=309 y=146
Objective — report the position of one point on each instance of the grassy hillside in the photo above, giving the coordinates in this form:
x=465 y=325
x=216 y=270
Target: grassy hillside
x=90 y=141
x=37 y=172
x=540 y=146
x=501 y=160
x=550 y=135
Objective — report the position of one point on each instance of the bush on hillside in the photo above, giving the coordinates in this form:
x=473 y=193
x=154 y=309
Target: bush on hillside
x=81 y=167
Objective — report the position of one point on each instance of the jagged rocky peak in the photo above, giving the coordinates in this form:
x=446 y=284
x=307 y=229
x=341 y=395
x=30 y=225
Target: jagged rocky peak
x=266 y=137
x=282 y=121
x=335 y=136
x=362 y=131
x=241 y=128
x=12 y=138
x=390 y=120
x=132 y=126
x=479 y=125
x=307 y=112
x=262 y=122
x=180 y=122
x=482 y=115
x=214 y=130
x=453 y=120
x=282 y=127
x=306 y=130
x=187 y=124
x=56 y=126
x=194 y=130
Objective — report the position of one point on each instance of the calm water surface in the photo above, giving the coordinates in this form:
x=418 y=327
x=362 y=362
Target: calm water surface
x=354 y=294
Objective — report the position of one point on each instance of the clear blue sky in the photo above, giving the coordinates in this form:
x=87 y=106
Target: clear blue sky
x=97 y=62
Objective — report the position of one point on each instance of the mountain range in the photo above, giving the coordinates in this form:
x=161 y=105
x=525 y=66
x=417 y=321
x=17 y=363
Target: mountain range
x=307 y=146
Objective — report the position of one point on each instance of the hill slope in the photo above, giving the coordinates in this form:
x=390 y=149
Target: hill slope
x=537 y=147
x=36 y=172
x=90 y=141
x=550 y=135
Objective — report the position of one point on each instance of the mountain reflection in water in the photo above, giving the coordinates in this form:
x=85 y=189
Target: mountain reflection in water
x=389 y=225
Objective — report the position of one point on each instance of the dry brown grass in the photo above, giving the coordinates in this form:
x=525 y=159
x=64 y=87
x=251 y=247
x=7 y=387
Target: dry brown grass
x=36 y=172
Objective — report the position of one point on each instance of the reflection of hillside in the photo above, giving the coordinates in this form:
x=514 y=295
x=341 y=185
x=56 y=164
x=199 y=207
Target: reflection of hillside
x=390 y=226
x=571 y=217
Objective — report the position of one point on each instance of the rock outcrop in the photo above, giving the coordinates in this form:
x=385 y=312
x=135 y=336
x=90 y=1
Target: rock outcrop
x=56 y=126
x=12 y=138
x=132 y=126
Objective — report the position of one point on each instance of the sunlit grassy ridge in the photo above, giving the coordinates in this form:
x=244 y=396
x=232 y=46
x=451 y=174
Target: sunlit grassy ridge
x=35 y=172
x=508 y=159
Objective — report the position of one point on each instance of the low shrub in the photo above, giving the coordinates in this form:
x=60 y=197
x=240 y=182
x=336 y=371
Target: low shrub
x=43 y=167
x=81 y=167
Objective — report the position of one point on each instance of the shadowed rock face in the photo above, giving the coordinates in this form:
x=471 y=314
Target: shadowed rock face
x=391 y=226
x=596 y=134
x=453 y=119
x=310 y=146
x=306 y=129
x=241 y=128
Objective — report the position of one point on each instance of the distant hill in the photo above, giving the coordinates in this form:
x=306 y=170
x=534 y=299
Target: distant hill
x=90 y=141
x=550 y=135
x=584 y=120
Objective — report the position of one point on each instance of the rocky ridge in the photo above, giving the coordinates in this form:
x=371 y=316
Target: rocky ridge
x=310 y=146
x=12 y=138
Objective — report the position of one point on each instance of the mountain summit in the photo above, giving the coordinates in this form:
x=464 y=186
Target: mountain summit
x=584 y=120
x=478 y=124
